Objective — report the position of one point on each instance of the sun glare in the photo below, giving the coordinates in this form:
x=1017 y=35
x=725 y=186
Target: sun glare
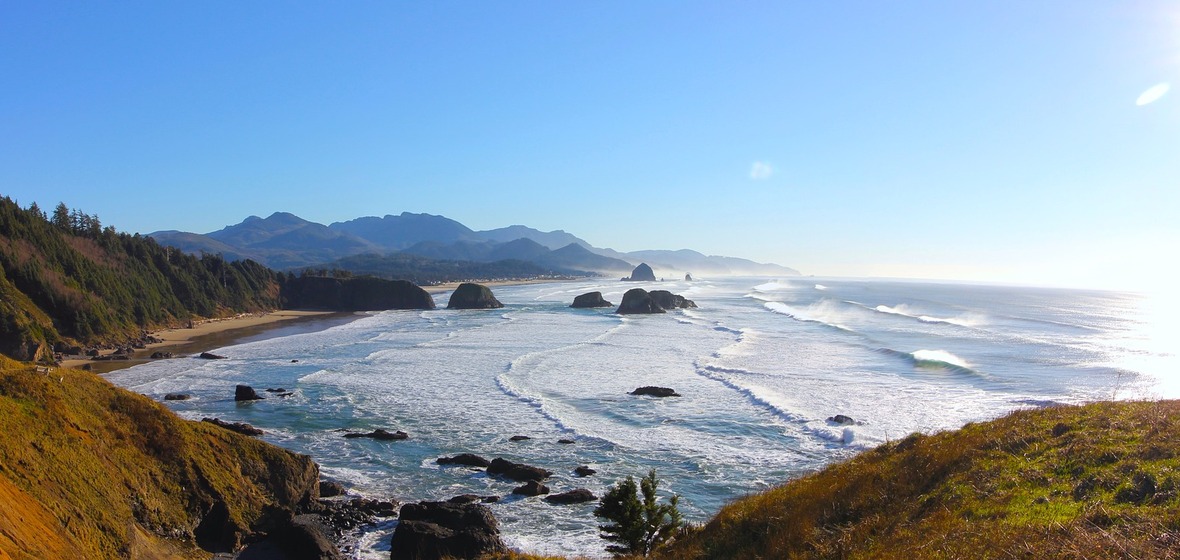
x=1153 y=94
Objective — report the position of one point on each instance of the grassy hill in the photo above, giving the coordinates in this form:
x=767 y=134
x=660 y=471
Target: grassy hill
x=1097 y=481
x=88 y=470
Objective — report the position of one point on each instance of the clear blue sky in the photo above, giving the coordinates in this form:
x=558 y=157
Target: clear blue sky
x=995 y=141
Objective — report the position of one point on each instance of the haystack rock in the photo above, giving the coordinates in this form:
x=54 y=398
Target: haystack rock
x=637 y=300
x=642 y=273
x=591 y=299
x=473 y=296
x=246 y=393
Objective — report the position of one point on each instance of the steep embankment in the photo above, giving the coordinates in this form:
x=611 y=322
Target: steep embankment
x=88 y=470
x=1099 y=481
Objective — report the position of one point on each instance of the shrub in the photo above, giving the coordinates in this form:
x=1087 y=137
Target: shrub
x=637 y=527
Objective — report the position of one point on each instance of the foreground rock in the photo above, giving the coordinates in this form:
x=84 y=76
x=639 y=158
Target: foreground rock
x=642 y=273
x=669 y=300
x=246 y=393
x=591 y=299
x=473 y=296
x=656 y=391
x=517 y=471
x=379 y=434
x=638 y=301
x=429 y=530
x=581 y=495
x=466 y=459
x=331 y=488
x=239 y=427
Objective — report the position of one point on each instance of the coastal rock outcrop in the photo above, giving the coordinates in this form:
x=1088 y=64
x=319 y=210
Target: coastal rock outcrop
x=239 y=427
x=669 y=300
x=531 y=488
x=656 y=391
x=473 y=296
x=638 y=301
x=590 y=299
x=210 y=356
x=379 y=434
x=246 y=393
x=584 y=471
x=517 y=471
x=642 y=273
x=466 y=459
x=445 y=530
x=361 y=293
x=578 y=496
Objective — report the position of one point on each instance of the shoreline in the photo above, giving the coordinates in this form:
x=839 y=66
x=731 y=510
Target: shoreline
x=209 y=334
x=214 y=333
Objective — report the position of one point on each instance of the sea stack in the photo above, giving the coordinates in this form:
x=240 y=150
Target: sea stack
x=473 y=296
x=592 y=299
x=642 y=273
x=637 y=300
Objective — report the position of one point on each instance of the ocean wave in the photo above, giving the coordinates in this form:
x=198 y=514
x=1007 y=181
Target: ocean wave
x=816 y=313
x=756 y=394
x=774 y=286
x=969 y=320
x=820 y=287
x=934 y=359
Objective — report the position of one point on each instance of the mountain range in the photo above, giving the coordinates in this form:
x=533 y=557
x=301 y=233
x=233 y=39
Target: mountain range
x=286 y=241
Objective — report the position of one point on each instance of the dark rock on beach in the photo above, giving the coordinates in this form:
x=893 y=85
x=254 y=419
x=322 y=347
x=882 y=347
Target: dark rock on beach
x=642 y=273
x=581 y=495
x=161 y=355
x=591 y=299
x=306 y=537
x=473 y=296
x=331 y=488
x=379 y=434
x=442 y=530
x=638 y=301
x=466 y=459
x=531 y=488
x=656 y=391
x=246 y=393
x=210 y=356
x=239 y=427
x=517 y=471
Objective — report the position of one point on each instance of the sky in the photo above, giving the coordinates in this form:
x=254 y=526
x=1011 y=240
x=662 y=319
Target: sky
x=1011 y=141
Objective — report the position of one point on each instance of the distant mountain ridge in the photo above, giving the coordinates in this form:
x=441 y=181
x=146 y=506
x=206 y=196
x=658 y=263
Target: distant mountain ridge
x=286 y=241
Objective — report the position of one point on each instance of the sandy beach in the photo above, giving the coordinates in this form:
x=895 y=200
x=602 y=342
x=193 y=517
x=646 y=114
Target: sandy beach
x=212 y=333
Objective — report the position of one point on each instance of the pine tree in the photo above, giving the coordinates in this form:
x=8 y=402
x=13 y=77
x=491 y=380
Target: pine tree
x=637 y=527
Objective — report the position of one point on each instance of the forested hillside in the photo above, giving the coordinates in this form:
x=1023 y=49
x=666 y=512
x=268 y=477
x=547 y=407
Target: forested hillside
x=66 y=278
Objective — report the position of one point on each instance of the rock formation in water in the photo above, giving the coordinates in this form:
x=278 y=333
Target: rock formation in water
x=636 y=301
x=445 y=530
x=591 y=299
x=656 y=391
x=669 y=300
x=473 y=296
x=642 y=273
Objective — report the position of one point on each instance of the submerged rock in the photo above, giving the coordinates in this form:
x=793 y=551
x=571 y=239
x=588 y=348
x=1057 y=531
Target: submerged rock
x=577 y=496
x=656 y=391
x=444 y=530
x=467 y=459
x=519 y=438
x=473 y=296
x=379 y=434
x=591 y=299
x=517 y=471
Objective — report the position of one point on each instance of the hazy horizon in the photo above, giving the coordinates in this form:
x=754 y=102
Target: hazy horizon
x=1016 y=143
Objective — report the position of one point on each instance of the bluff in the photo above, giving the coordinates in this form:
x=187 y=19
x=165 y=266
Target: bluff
x=89 y=470
x=353 y=294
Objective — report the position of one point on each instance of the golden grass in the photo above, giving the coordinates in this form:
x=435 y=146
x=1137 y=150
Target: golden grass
x=1099 y=481
x=94 y=471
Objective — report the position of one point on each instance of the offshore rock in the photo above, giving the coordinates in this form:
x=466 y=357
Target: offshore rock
x=246 y=393
x=642 y=273
x=656 y=391
x=467 y=459
x=429 y=530
x=177 y=397
x=669 y=300
x=638 y=301
x=531 y=488
x=590 y=299
x=581 y=495
x=239 y=427
x=379 y=434
x=584 y=471
x=473 y=296
x=516 y=471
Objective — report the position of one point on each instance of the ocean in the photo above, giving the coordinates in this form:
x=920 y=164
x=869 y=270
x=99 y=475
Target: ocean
x=761 y=365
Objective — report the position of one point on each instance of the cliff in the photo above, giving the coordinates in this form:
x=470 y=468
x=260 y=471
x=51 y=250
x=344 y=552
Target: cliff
x=88 y=470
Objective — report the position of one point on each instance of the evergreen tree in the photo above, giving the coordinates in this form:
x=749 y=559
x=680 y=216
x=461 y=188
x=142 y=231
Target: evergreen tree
x=638 y=527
